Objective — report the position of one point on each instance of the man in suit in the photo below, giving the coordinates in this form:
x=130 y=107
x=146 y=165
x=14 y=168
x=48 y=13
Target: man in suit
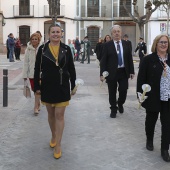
x=142 y=49
x=117 y=60
x=87 y=46
x=125 y=37
x=77 y=47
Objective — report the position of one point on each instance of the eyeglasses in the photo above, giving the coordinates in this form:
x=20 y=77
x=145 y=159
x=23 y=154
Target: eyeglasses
x=163 y=42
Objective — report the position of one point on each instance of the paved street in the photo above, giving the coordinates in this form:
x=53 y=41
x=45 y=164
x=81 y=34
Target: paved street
x=91 y=139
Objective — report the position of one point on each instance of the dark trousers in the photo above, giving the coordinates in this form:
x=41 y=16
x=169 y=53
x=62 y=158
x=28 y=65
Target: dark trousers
x=88 y=55
x=17 y=53
x=141 y=58
x=7 y=52
x=150 y=122
x=120 y=81
x=77 y=54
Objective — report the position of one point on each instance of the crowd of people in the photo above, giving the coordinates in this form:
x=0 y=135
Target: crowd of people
x=154 y=71
x=51 y=71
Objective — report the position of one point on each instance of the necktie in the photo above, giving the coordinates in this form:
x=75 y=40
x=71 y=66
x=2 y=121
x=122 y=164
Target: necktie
x=119 y=54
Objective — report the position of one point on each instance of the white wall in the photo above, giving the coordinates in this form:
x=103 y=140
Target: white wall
x=153 y=31
x=70 y=30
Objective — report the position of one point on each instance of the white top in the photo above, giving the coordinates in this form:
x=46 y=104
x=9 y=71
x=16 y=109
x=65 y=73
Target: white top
x=29 y=61
x=165 y=85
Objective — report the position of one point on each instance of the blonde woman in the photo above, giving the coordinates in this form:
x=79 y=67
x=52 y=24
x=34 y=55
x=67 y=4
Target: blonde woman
x=29 y=64
x=57 y=82
x=155 y=71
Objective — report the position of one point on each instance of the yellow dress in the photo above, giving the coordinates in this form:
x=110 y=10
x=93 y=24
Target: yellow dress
x=55 y=51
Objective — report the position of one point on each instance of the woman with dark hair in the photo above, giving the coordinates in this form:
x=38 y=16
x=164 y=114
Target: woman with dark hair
x=155 y=71
x=107 y=38
x=98 y=48
x=55 y=63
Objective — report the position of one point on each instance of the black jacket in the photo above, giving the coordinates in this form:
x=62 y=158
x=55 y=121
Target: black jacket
x=109 y=61
x=98 y=50
x=142 y=48
x=150 y=73
x=53 y=88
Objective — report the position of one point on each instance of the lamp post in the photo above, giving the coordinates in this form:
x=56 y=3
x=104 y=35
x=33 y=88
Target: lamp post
x=53 y=6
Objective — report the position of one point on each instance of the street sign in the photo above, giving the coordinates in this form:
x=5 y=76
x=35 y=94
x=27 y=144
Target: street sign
x=162 y=27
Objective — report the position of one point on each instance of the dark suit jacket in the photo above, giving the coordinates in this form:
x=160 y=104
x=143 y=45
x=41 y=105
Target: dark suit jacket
x=109 y=61
x=77 y=45
x=142 y=48
x=150 y=73
x=130 y=44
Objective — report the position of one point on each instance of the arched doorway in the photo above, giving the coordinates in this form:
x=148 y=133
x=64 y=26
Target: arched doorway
x=47 y=25
x=24 y=34
x=93 y=34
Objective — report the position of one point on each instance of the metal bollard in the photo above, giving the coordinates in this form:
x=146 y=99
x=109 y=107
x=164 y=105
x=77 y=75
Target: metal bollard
x=5 y=87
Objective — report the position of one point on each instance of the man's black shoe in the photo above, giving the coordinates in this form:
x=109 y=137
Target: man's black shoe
x=113 y=115
x=121 y=109
x=149 y=145
x=165 y=155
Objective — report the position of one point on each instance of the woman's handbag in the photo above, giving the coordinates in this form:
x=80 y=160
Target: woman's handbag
x=26 y=91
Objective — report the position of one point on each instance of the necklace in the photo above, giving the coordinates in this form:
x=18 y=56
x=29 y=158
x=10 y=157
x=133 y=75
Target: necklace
x=164 y=65
x=55 y=51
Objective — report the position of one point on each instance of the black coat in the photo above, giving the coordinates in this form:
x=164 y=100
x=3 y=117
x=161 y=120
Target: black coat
x=98 y=50
x=130 y=44
x=53 y=88
x=109 y=61
x=150 y=73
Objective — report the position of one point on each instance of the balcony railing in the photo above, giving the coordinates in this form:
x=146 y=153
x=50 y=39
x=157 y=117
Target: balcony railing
x=105 y=11
x=95 y=11
x=60 y=11
x=19 y=11
x=119 y=11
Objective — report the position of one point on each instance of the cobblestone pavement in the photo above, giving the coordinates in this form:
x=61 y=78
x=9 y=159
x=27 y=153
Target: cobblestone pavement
x=91 y=139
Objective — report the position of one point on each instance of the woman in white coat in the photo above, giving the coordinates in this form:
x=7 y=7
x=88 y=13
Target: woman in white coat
x=29 y=64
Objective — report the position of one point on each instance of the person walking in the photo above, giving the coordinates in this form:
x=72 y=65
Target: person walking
x=142 y=49
x=7 y=48
x=87 y=46
x=71 y=47
x=107 y=38
x=28 y=67
x=77 y=47
x=17 y=48
x=98 y=48
x=125 y=37
x=117 y=61
x=11 y=44
x=155 y=71
x=55 y=62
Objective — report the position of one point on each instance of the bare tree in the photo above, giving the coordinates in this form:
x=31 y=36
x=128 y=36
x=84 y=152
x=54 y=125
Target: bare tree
x=141 y=20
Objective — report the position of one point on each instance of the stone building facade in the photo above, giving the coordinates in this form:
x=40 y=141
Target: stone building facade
x=77 y=18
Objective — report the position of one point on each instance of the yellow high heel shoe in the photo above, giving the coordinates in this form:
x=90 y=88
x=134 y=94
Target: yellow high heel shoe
x=57 y=155
x=52 y=145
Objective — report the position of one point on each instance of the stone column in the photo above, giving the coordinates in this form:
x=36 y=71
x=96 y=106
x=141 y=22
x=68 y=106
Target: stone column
x=2 y=47
x=1 y=30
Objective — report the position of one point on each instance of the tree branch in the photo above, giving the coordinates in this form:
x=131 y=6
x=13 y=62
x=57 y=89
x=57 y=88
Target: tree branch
x=129 y=13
